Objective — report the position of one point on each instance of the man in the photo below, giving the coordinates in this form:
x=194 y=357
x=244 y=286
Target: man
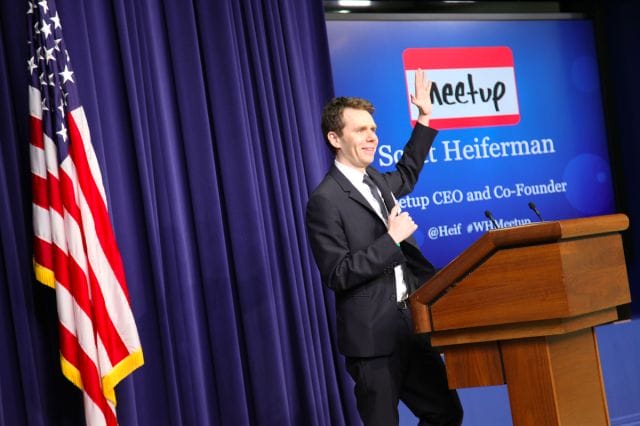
x=366 y=254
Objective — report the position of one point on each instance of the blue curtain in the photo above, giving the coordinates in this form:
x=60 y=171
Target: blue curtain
x=205 y=120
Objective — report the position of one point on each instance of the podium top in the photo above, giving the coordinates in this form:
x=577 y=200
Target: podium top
x=542 y=234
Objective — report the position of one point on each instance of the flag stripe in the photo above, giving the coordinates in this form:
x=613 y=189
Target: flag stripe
x=38 y=162
x=45 y=253
x=39 y=188
x=35 y=111
x=88 y=374
x=42 y=224
x=50 y=157
x=115 y=296
x=81 y=267
x=106 y=329
x=79 y=123
x=95 y=199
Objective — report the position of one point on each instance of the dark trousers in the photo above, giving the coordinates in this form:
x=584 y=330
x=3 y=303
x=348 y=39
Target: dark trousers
x=413 y=373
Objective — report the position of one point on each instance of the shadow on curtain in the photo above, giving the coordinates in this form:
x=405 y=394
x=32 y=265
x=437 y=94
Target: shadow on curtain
x=205 y=119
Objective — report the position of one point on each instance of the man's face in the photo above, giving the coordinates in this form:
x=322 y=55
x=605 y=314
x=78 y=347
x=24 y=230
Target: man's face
x=357 y=145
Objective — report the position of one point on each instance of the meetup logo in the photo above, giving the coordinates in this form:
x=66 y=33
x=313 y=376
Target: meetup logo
x=472 y=86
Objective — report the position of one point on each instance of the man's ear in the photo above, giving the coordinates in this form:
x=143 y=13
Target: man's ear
x=334 y=140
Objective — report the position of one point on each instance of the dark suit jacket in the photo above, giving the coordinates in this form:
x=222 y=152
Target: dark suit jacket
x=356 y=256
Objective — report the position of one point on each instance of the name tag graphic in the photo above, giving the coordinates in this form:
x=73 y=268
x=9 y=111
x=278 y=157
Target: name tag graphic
x=472 y=86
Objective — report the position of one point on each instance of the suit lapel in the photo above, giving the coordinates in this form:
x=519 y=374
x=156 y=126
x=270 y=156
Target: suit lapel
x=348 y=187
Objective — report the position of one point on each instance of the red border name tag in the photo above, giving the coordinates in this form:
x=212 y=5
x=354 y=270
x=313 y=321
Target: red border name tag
x=472 y=86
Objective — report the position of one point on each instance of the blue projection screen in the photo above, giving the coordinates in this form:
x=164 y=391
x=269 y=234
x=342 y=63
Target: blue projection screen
x=518 y=106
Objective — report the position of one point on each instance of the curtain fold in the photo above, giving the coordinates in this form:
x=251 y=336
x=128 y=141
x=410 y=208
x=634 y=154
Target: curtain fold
x=205 y=120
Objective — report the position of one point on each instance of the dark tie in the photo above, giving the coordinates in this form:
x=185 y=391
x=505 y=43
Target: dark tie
x=376 y=194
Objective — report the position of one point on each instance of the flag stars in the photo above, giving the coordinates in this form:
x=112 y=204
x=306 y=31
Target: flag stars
x=56 y=21
x=49 y=56
x=44 y=5
x=31 y=63
x=61 y=107
x=62 y=132
x=46 y=29
x=67 y=74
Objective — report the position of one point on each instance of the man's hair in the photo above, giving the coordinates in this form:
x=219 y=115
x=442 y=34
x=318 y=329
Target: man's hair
x=332 y=115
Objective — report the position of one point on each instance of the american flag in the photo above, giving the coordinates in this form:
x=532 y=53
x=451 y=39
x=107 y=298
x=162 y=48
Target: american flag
x=75 y=250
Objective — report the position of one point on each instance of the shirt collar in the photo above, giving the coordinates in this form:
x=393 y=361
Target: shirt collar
x=354 y=176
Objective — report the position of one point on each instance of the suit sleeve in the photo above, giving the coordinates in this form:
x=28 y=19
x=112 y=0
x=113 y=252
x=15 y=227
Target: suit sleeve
x=403 y=180
x=341 y=268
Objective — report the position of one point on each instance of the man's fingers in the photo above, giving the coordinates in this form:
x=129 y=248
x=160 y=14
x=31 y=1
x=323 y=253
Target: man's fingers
x=395 y=210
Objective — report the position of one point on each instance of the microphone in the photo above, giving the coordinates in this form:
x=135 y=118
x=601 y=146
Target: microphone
x=489 y=216
x=532 y=206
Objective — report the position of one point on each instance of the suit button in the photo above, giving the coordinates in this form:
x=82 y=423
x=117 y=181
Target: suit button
x=392 y=297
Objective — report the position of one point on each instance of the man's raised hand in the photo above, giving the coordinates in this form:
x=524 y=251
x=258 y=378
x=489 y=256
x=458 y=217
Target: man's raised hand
x=422 y=96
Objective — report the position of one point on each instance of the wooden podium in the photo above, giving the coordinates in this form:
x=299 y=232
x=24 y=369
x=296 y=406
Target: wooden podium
x=519 y=306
